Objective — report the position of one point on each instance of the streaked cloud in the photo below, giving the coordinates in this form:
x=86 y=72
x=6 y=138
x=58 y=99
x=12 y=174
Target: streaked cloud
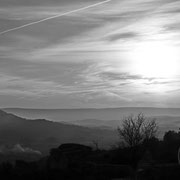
x=81 y=59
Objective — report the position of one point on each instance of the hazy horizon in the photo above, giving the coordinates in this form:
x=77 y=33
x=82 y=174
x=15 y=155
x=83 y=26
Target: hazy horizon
x=76 y=108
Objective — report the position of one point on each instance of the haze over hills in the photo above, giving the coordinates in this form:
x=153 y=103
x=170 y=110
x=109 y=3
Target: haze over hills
x=42 y=134
x=97 y=123
x=99 y=114
x=109 y=118
x=165 y=123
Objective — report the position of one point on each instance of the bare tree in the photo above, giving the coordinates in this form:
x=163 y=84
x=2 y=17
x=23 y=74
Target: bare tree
x=136 y=129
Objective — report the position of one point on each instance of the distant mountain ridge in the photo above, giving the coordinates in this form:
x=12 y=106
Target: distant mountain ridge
x=104 y=119
x=42 y=134
x=81 y=114
x=97 y=123
x=165 y=123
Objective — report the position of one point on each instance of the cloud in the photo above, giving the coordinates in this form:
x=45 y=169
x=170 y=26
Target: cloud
x=83 y=55
x=19 y=86
x=18 y=149
x=37 y=3
x=26 y=13
x=54 y=17
x=122 y=36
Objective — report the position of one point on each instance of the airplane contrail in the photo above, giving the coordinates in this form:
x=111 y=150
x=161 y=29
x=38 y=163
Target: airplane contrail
x=55 y=16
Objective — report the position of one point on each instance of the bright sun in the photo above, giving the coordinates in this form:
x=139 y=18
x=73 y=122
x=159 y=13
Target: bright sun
x=155 y=59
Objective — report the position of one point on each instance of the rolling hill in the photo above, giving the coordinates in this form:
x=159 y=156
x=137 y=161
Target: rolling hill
x=82 y=114
x=42 y=134
x=165 y=123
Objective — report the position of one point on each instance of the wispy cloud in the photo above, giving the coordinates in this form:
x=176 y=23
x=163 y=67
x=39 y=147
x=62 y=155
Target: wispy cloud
x=82 y=57
x=54 y=17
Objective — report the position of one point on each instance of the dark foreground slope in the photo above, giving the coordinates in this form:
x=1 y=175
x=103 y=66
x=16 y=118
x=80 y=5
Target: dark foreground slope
x=43 y=135
x=74 y=161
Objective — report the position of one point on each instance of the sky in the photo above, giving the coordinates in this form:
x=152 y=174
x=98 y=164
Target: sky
x=114 y=54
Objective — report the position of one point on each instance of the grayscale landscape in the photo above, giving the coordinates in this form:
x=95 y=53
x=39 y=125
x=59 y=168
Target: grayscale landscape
x=89 y=89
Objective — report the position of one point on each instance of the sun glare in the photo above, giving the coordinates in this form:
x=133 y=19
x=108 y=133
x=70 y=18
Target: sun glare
x=155 y=59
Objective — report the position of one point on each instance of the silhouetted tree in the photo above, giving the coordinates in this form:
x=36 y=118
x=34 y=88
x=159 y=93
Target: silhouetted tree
x=171 y=143
x=171 y=137
x=136 y=129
